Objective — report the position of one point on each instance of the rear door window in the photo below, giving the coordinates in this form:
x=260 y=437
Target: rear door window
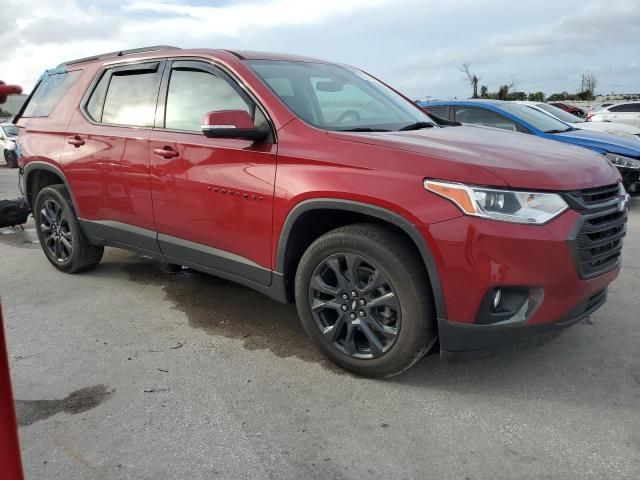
x=486 y=118
x=131 y=97
x=48 y=93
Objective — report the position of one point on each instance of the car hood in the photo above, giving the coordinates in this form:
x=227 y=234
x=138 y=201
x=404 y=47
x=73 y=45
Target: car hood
x=604 y=126
x=519 y=160
x=600 y=141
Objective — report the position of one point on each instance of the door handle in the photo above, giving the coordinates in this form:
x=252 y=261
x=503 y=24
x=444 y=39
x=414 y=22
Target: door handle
x=165 y=152
x=76 y=141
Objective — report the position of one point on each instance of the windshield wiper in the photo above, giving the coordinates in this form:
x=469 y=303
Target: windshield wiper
x=560 y=131
x=364 y=129
x=417 y=126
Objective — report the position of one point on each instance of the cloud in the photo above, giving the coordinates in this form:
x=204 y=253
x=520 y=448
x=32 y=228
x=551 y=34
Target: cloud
x=415 y=45
x=235 y=18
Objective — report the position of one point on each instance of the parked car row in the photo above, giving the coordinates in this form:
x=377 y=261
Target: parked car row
x=614 y=128
x=392 y=230
x=623 y=153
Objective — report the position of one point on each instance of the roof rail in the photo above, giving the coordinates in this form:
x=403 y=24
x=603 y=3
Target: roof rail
x=119 y=53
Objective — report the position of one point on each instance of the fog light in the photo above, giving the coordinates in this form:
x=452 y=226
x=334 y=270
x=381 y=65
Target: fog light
x=508 y=304
x=497 y=296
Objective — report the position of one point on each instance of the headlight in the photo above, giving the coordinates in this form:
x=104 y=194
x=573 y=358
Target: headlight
x=504 y=205
x=622 y=161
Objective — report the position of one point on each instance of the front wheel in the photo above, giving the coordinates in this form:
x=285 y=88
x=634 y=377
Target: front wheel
x=11 y=158
x=62 y=240
x=364 y=298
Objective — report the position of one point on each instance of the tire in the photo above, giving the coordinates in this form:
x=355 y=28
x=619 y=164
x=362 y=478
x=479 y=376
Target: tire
x=61 y=238
x=394 y=305
x=11 y=158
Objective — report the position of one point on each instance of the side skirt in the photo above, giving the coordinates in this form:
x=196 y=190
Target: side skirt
x=183 y=252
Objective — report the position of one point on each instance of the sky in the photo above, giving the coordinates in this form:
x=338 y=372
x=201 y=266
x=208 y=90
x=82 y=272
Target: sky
x=414 y=45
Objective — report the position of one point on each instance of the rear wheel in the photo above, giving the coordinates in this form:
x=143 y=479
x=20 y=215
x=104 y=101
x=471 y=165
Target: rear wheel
x=61 y=238
x=364 y=299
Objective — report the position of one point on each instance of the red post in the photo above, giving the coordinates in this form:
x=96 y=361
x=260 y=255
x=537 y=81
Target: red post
x=10 y=463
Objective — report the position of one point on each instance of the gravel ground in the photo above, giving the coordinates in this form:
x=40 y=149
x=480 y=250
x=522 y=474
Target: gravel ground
x=131 y=372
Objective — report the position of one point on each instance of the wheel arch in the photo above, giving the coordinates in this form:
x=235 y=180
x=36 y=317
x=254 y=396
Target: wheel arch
x=39 y=174
x=297 y=233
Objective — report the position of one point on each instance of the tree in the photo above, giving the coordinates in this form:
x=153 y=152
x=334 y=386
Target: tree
x=4 y=113
x=536 y=97
x=472 y=78
x=517 y=96
x=588 y=86
x=484 y=91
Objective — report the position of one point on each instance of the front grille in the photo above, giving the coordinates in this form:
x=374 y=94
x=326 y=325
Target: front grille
x=598 y=242
x=594 y=196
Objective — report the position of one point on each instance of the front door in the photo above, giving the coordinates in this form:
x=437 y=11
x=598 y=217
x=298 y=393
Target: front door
x=212 y=198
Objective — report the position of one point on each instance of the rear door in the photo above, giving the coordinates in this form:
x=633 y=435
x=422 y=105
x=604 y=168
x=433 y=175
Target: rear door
x=213 y=198
x=107 y=156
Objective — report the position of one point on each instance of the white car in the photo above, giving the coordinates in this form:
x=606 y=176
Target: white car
x=8 y=137
x=623 y=112
x=614 y=128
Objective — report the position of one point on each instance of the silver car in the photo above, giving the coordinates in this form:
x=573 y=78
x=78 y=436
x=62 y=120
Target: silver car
x=624 y=112
x=8 y=137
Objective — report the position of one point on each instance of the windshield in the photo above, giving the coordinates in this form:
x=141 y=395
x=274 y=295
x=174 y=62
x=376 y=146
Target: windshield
x=535 y=118
x=559 y=113
x=336 y=97
x=10 y=130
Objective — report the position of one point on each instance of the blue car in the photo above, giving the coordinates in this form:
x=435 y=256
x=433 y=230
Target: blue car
x=621 y=152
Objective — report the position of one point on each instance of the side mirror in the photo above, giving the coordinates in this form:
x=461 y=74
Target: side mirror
x=232 y=124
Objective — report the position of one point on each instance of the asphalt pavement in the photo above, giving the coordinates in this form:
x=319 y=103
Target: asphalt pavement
x=132 y=372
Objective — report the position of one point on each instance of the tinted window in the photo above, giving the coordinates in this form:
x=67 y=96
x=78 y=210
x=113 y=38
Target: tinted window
x=486 y=118
x=131 y=98
x=626 y=107
x=439 y=111
x=48 y=93
x=337 y=97
x=193 y=93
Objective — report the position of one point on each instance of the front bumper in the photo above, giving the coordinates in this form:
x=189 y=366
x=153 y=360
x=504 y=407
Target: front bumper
x=464 y=337
x=474 y=256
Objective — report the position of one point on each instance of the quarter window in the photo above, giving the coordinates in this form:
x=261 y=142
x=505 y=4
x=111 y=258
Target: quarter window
x=192 y=93
x=438 y=111
x=49 y=92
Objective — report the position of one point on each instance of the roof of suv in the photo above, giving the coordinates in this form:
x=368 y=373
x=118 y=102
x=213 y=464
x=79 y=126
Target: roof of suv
x=169 y=50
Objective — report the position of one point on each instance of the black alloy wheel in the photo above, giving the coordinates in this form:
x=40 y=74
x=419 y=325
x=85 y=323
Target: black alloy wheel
x=56 y=231
x=64 y=243
x=364 y=297
x=355 y=305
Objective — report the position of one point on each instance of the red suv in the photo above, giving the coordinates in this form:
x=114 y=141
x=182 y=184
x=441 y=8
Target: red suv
x=316 y=183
